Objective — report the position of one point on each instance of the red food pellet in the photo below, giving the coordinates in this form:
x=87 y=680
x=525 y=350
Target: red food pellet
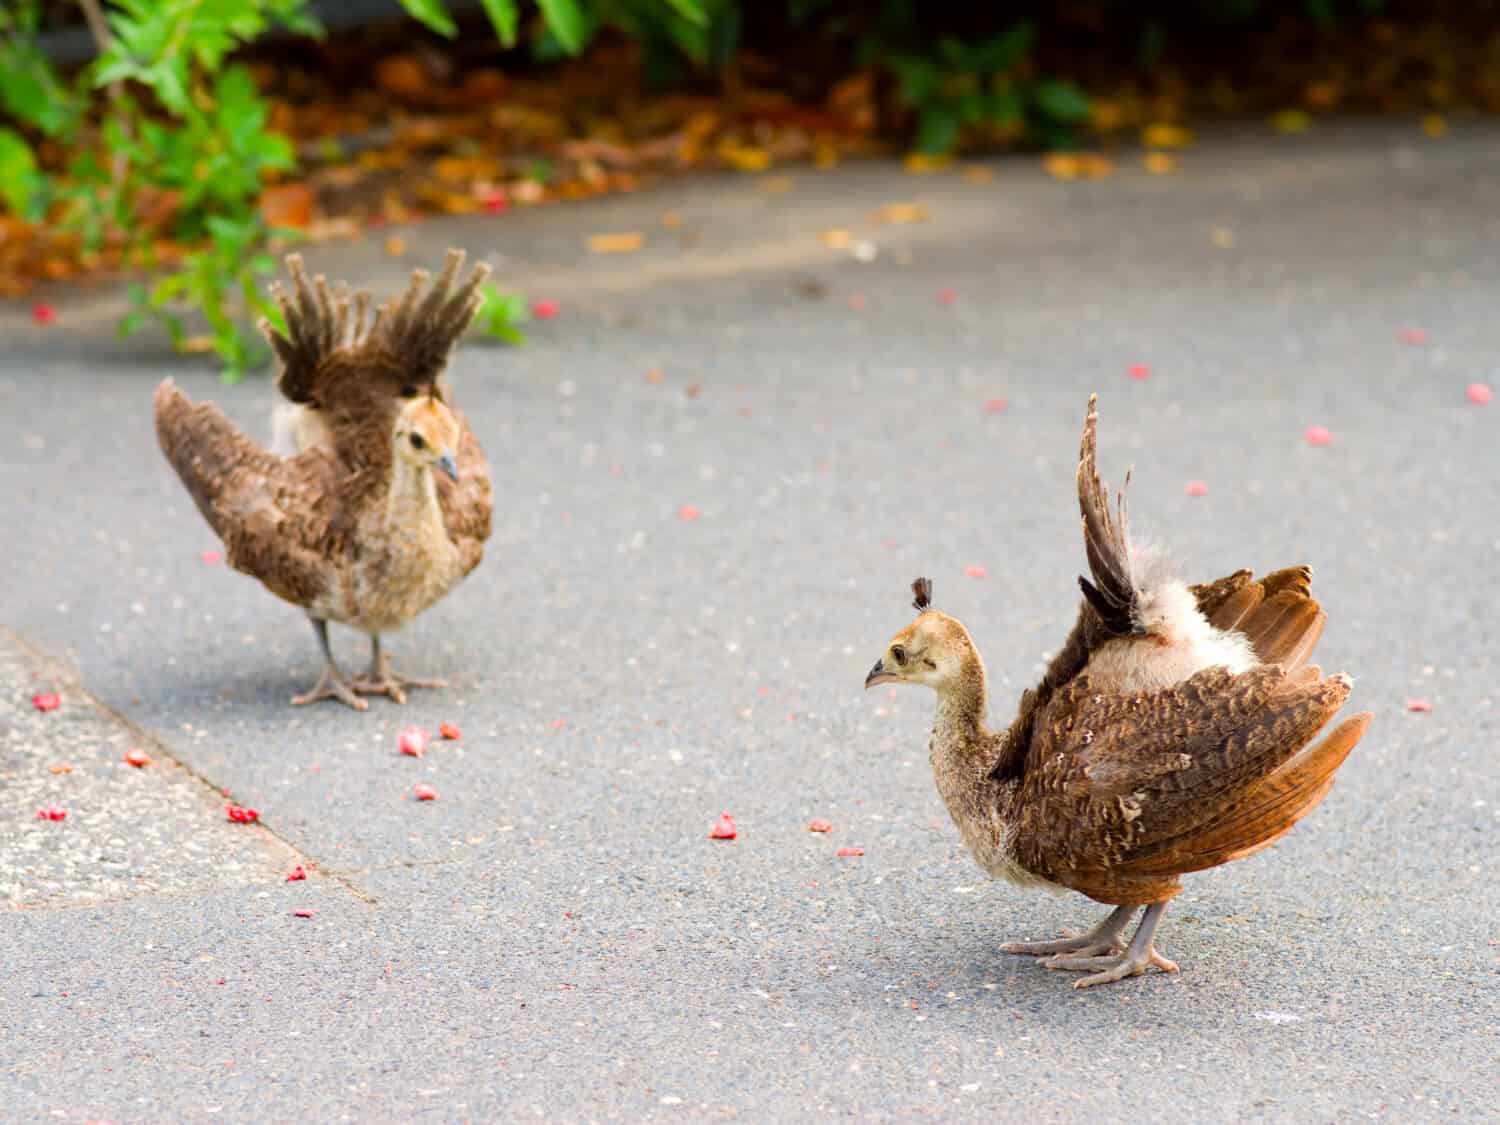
x=296 y=874
x=974 y=570
x=725 y=829
x=688 y=513
x=558 y=724
x=137 y=758
x=1419 y=705
x=1138 y=371
x=1318 y=435
x=496 y=203
x=241 y=815
x=1478 y=393
x=424 y=792
x=211 y=558
x=1412 y=335
x=303 y=913
x=450 y=732
x=52 y=812
x=820 y=826
x=847 y=853
x=545 y=310
x=43 y=314
x=1196 y=488
x=856 y=301
x=995 y=405
x=947 y=296
x=46 y=701
x=412 y=742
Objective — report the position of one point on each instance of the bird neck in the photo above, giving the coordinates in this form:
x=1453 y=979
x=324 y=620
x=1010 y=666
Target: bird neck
x=413 y=494
x=961 y=708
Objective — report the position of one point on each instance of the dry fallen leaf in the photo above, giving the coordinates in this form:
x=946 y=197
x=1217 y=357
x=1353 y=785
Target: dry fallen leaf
x=835 y=238
x=1160 y=163
x=627 y=242
x=1435 y=125
x=979 y=174
x=1077 y=165
x=924 y=163
x=395 y=246
x=901 y=213
x=1163 y=135
x=1291 y=121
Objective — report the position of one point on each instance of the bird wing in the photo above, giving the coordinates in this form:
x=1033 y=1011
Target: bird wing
x=1130 y=787
x=274 y=514
x=468 y=503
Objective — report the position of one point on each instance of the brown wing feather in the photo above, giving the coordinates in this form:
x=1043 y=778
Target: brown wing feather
x=269 y=511
x=1117 y=788
x=1112 y=592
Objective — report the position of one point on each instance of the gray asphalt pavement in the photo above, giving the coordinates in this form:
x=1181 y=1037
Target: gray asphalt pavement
x=555 y=937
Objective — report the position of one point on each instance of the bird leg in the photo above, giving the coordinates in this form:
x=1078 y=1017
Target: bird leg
x=331 y=684
x=1106 y=937
x=1134 y=961
x=382 y=679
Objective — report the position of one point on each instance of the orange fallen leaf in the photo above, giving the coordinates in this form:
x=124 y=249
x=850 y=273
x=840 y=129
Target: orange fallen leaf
x=626 y=243
x=395 y=246
x=901 y=213
x=1291 y=121
x=835 y=238
x=979 y=174
x=1164 y=135
x=925 y=163
x=287 y=205
x=1435 y=125
x=1160 y=163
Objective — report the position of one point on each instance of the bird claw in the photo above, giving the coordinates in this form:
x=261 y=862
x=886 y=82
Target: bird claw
x=1070 y=942
x=392 y=684
x=1113 y=968
x=331 y=685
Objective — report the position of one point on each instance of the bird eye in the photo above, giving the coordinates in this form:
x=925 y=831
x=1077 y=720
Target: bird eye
x=417 y=442
x=408 y=391
x=898 y=654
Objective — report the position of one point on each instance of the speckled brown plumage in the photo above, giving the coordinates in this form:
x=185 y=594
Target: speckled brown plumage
x=1117 y=792
x=356 y=528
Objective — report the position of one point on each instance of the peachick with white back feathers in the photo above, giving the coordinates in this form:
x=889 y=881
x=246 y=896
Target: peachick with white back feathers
x=387 y=506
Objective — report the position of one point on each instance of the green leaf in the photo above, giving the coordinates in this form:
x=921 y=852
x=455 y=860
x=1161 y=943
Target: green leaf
x=505 y=17
x=19 y=179
x=1002 y=52
x=433 y=15
x=938 y=131
x=690 y=10
x=565 y=19
x=1061 y=101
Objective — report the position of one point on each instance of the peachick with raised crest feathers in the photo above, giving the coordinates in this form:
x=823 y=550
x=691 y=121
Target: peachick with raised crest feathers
x=1172 y=733
x=388 y=504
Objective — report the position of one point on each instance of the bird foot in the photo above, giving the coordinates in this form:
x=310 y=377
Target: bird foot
x=1070 y=942
x=388 y=682
x=1111 y=969
x=331 y=685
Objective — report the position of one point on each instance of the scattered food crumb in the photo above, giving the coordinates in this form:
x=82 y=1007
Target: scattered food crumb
x=725 y=829
x=1419 y=705
x=820 y=826
x=136 y=757
x=211 y=558
x=848 y=853
x=1138 y=371
x=412 y=742
x=995 y=405
x=52 y=812
x=424 y=792
x=1479 y=393
x=1412 y=336
x=544 y=309
x=974 y=570
x=450 y=732
x=61 y=767
x=1196 y=488
x=296 y=874
x=947 y=296
x=1318 y=435
x=46 y=701
x=241 y=815
x=43 y=314
x=688 y=513
x=303 y=913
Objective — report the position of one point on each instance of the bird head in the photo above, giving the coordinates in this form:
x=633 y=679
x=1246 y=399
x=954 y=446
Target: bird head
x=934 y=650
x=427 y=434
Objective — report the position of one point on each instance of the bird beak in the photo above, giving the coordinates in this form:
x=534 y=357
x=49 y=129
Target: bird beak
x=879 y=675
x=448 y=465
